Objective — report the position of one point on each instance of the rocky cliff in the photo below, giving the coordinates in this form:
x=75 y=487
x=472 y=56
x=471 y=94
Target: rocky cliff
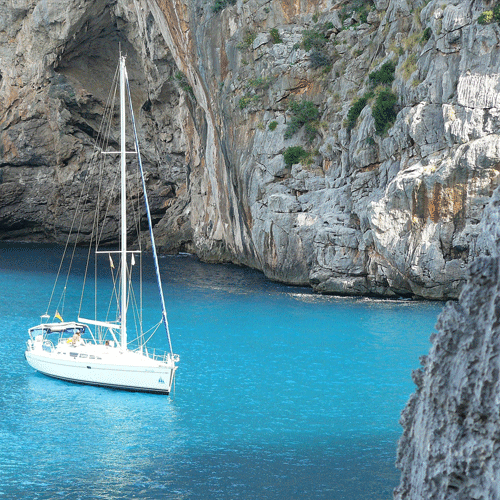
x=346 y=145
x=451 y=441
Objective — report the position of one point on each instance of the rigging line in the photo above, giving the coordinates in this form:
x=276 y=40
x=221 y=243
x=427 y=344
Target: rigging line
x=77 y=212
x=155 y=329
x=105 y=144
x=135 y=309
x=136 y=212
x=153 y=246
x=98 y=164
x=73 y=222
x=101 y=142
x=114 y=294
x=60 y=308
x=107 y=210
x=140 y=259
x=98 y=241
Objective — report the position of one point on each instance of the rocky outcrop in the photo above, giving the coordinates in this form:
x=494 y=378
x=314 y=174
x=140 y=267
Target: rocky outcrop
x=57 y=65
x=449 y=449
x=385 y=208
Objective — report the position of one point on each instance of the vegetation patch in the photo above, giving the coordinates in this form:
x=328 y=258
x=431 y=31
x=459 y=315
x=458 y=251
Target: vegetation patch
x=384 y=107
x=383 y=111
x=247 y=99
x=183 y=82
x=294 y=154
x=315 y=41
x=261 y=83
x=363 y=13
x=221 y=4
x=303 y=115
x=275 y=36
x=490 y=16
x=384 y=75
x=486 y=17
x=411 y=41
x=409 y=66
x=273 y=125
x=426 y=35
x=318 y=58
x=361 y=8
x=248 y=39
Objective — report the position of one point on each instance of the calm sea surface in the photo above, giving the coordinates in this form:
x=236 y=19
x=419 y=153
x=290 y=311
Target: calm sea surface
x=280 y=393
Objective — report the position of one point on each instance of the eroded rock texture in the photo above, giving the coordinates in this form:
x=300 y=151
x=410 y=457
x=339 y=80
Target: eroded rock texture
x=451 y=441
x=387 y=213
x=58 y=60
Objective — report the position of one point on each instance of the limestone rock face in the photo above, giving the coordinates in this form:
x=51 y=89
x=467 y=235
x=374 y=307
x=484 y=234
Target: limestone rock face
x=57 y=63
x=449 y=449
x=365 y=211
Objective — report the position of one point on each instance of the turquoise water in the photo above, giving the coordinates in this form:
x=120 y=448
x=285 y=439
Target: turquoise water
x=280 y=393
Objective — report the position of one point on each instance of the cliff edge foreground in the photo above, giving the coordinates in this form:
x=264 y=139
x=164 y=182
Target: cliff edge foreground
x=451 y=441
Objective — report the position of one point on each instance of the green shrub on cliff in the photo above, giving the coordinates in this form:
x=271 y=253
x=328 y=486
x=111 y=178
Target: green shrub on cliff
x=426 y=35
x=384 y=75
x=356 y=108
x=489 y=16
x=273 y=125
x=183 y=82
x=303 y=114
x=261 y=83
x=384 y=111
x=275 y=36
x=248 y=39
x=318 y=58
x=409 y=66
x=486 y=17
x=313 y=39
x=294 y=154
x=248 y=99
x=496 y=12
x=222 y=4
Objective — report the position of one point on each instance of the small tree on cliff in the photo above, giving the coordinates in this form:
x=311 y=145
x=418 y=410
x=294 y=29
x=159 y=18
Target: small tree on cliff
x=303 y=115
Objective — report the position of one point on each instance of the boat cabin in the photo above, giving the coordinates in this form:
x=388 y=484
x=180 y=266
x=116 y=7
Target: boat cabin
x=63 y=330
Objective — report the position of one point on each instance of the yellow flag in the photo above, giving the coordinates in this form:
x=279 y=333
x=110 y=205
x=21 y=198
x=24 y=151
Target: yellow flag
x=58 y=316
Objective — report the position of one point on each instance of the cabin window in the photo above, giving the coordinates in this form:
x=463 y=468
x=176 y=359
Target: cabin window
x=84 y=356
x=73 y=354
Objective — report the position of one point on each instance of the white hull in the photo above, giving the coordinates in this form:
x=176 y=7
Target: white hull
x=102 y=366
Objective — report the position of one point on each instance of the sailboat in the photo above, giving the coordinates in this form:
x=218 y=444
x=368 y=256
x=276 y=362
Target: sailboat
x=97 y=351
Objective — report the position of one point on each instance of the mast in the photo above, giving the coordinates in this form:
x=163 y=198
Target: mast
x=123 y=208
